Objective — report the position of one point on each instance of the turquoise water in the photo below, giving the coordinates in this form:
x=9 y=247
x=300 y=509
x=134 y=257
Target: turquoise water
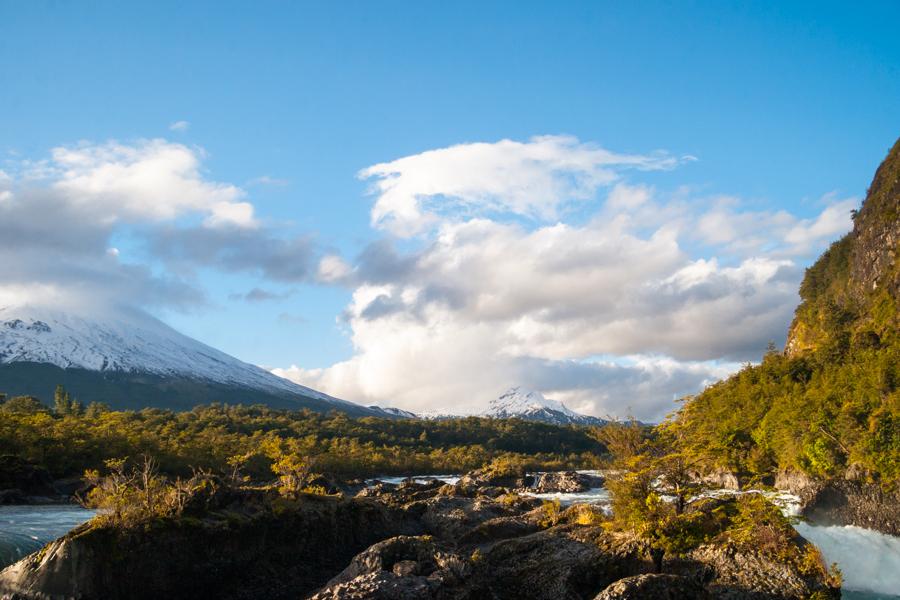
x=25 y=529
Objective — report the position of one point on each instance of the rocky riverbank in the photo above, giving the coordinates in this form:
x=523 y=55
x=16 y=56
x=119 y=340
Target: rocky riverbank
x=848 y=500
x=465 y=541
x=24 y=483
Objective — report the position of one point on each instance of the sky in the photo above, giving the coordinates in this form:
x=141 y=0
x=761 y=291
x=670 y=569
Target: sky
x=422 y=204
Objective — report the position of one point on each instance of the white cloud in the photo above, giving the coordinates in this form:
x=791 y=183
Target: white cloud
x=152 y=180
x=534 y=179
x=179 y=126
x=59 y=216
x=623 y=311
x=333 y=269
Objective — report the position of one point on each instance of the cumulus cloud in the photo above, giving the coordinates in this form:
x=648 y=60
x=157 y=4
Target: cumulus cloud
x=179 y=126
x=651 y=298
x=59 y=215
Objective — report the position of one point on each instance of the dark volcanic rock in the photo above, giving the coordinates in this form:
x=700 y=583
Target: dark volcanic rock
x=654 y=587
x=850 y=500
x=565 y=482
x=450 y=517
x=400 y=567
x=382 y=585
x=844 y=502
x=565 y=562
x=736 y=574
x=487 y=477
x=241 y=551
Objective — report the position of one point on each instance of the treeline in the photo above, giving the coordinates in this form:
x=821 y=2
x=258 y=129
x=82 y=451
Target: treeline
x=70 y=439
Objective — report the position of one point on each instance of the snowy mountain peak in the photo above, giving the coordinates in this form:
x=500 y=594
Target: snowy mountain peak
x=128 y=342
x=517 y=400
x=534 y=406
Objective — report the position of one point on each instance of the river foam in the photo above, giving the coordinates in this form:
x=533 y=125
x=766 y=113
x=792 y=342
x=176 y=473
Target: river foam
x=869 y=560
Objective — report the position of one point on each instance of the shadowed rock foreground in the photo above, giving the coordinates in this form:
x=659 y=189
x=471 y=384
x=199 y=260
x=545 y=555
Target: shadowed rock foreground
x=466 y=541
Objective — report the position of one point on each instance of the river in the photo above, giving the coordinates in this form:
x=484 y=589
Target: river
x=25 y=529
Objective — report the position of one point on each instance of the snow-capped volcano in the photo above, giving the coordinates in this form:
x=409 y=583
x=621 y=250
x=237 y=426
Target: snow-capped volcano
x=534 y=406
x=126 y=346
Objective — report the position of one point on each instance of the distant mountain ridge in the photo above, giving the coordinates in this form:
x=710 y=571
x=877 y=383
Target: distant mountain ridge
x=128 y=359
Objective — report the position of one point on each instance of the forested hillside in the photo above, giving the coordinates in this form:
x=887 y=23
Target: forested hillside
x=832 y=399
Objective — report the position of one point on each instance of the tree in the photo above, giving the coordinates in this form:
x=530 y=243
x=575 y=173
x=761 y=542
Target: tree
x=289 y=463
x=23 y=404
x=63 y=404
x=623 y=439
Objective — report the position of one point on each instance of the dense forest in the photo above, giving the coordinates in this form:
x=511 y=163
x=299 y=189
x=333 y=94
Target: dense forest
x=831 y=401
x=69 y=439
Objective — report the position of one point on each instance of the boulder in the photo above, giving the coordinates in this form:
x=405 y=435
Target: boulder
x=382 y=585
x=561 y=563
x=739 y=574
x=450 y=517
x=795 y=482
x=655 y=586
x=512 y=477
x=400 y=567
x=566 y=482
x=720 y=478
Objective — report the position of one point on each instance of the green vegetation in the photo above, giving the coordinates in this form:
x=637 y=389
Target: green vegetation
x=243 y=441
x=813 y=413
x=650 y=500
x=832 y=400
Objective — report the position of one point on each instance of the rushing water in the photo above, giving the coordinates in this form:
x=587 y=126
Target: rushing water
x=25 y=529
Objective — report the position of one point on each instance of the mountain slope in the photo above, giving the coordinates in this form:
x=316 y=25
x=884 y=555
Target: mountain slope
x=129 y=359
x=830 y=404
x=850 y=294
x=533 y=406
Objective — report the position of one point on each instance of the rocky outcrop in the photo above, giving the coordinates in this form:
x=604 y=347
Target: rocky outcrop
x=566 y=482
x=719 y=478
x=741 y=574
x=400 y=567
x=847 y=502
x=230 y=552
x=657 y=586
x=509 y=478
x=850 y=500
x=796 y=482
x=566 y=561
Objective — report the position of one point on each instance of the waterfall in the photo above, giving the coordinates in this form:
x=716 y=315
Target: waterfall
x=869 y=560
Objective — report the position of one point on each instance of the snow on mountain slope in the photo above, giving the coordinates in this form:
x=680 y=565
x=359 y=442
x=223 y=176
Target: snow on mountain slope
x=127 y=341
x=532 y=405
x=397 y=412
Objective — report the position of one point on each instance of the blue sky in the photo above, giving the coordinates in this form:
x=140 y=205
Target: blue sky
x=781 y=105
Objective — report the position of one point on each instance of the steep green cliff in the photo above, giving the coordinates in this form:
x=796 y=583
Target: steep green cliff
x=850 y=294
x=831 y=401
